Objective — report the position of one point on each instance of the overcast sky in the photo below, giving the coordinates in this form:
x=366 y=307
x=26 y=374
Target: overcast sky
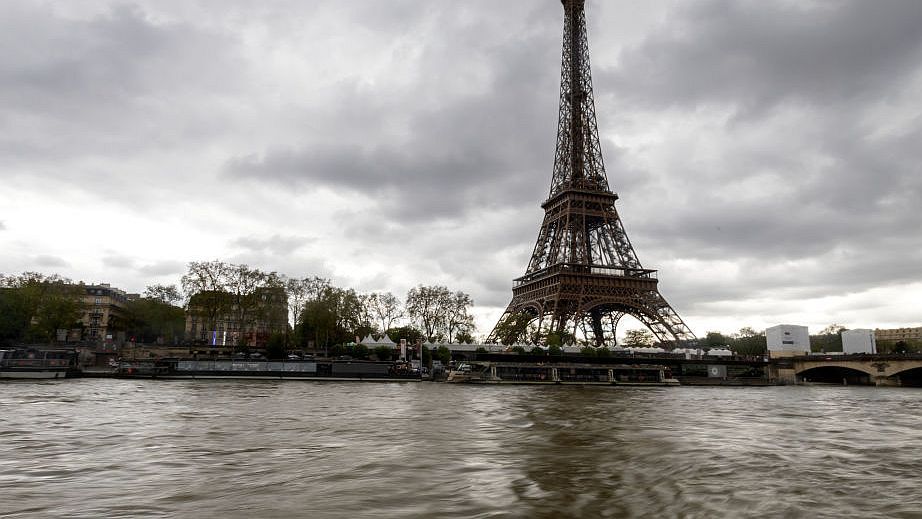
x=768 y=155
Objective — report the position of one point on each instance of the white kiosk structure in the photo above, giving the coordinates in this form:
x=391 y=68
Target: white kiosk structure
x=860 y=340
x=787 y=340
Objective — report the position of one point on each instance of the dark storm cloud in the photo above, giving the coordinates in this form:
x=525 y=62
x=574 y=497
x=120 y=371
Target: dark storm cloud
x=754 y=54
x=113 y=84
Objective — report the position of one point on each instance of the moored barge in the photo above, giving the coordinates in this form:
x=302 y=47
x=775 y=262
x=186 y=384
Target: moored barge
x=33 y=363
x=323 y=370
x=566 y=373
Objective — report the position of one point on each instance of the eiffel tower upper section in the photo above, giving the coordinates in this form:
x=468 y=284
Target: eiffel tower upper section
x=579 y=170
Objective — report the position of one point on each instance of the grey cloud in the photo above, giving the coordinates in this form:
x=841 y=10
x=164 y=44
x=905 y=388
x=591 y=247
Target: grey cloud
x=162 y=268
x=274 y=245
x=293 y=265
x=47 y=260
x=463 y=152
x=777 y=137
x=118 y=261
x=826 y=174
x=856 y=188
x=106 y=85
x=754 y=54
x=2 y=226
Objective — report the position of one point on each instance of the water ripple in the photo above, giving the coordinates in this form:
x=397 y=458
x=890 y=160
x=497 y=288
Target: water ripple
x=226 y=449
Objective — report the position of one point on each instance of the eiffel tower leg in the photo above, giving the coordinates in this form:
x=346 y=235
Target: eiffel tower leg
x=615 y=318
x=597 y=330
x=663 y=321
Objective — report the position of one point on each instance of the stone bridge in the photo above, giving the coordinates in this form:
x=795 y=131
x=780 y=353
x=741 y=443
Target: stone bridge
x=879 y=370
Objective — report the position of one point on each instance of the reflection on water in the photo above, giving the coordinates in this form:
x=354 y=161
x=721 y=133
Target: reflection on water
x=107 y=448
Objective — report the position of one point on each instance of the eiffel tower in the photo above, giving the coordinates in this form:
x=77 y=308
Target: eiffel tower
x=584 y=274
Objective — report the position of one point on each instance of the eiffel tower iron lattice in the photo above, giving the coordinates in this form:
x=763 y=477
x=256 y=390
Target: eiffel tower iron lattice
x=584 y=274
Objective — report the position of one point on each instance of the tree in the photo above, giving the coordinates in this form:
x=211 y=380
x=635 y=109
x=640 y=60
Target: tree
x=465 y=336
x=204 y=285
x=443 y=354
x=152 y=320
x=638 y=338
x=386 y=308
x=829 y=339
x=715 y=340
x=408 y=333
x=587 y=351
x=554 y=339
x=349 y=311
x=297 y=290
x=38 y=307
x=512 y=327
x=554 y=350
x=167 y=294
x=366 y=317
x=333 y=317
x=384 y=353
x=242 y=284
x=748 y=331
x=15 y=316
x=60 y=309
x=360 y=351
x=519 y=349
x=300 y=292
x=833 y=329
x=319 y=320
x=457 y=316
x=428 y=306
x=748 y=342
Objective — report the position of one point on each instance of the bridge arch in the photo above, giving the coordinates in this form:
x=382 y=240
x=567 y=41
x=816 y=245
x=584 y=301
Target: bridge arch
x=911 y=377
x=836 y=374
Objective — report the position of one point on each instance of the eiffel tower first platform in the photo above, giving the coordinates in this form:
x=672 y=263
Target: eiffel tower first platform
x=584 y=274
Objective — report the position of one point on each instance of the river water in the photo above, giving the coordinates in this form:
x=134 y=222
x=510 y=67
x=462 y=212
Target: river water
x=227 y=449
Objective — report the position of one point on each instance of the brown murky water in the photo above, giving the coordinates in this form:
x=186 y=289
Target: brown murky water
x=110 y=448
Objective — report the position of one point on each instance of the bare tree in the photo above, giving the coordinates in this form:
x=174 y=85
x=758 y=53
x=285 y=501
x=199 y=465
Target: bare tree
x=386 y=308
x=365 y=310
x=204 y=285
x=296 y=289
x=316 y=287
x=457 y=317
x=833 y=329
x=242 y=284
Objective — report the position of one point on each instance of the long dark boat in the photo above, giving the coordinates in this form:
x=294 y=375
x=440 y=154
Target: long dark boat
x=572 y=373
x=329 y=370
x=34 y=363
